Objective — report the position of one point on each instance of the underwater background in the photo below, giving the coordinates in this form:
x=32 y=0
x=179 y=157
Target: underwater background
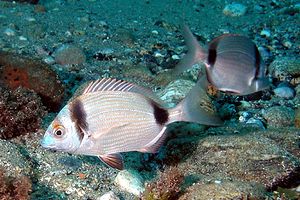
x=49 y=49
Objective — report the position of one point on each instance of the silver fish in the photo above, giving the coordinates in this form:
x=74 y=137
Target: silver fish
x=233 y=63
x=113 y=116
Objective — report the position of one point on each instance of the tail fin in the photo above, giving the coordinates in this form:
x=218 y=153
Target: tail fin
x=196 y=107
x=195 y=52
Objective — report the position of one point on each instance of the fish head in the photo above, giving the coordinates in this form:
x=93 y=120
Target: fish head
x=61 y=135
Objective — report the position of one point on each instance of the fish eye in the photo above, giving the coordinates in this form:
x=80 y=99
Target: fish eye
x=59 y=132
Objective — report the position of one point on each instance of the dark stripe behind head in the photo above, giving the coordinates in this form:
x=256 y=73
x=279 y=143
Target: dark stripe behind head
x=78 y=116
x=161 y=115
x=257 y=62
x=212 y=57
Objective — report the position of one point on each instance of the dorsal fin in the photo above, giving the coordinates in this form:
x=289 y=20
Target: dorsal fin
x=111 y=84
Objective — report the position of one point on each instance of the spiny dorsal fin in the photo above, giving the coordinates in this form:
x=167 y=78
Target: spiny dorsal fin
x=111 y=84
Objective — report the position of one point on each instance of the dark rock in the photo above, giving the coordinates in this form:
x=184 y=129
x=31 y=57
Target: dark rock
x=18 y=70
x=279 y=116
x=21 y=111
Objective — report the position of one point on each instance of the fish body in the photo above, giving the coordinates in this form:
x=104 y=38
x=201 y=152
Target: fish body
x=114 y=116
x=233 y=63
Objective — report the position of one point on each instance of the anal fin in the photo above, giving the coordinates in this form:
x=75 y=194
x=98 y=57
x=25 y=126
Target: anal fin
x=113 y=160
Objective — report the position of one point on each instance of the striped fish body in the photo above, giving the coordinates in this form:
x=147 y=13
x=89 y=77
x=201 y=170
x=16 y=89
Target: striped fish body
x=233 y=63
x=114 y=116
x=118 y=122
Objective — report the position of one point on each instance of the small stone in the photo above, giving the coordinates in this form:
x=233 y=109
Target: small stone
x=154 y=32
x=49 y=60
x=69 y=54
x=22 y=38
x=30 y=19
x=109 y=196
x=9 y=32
x=265 y=33
x=175 y=57
x=285 y=92
x=244 y=116
x=256 y=122
x=130 y=181
x=287 y=44
x=235 y=10
x=279 y=116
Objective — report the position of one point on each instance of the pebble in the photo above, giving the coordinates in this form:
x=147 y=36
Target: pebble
x=22 y=38
x=244 y=116
x=256 y=122
x=266 y=33
x=49 y=60
x=109 y=196
x=284 y=92
x=69 y=54
x=154 y=32
x=235 y=10
x=175 y=57
x=287 y=44
x=9 y=32
x=279 y=116
x=130 y=181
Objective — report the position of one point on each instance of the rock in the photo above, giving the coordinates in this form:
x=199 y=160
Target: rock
x=9 y=32
x=225 y=190
x=233 y=155
x=21 y=112
x=256 y=122
x=266 y=33
x=176 y=91
x=284 y=92
x=286 y=69
x=109 y=196
x=130 y=181
x=279 y=116
x=297 y=118
x=18 y=70
x=235 y=10
x=69 y=54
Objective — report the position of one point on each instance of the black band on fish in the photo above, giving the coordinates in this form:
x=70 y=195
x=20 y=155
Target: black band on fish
x=161 y=115
x=257 y=62
x=78 y=116
x=212 y=57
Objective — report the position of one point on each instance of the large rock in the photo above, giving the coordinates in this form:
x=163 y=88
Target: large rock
x=229 y=156
x=286 y=69
x=18 y=70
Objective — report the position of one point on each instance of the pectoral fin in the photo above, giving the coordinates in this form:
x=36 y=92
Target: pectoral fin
x=154 y=145
x=113 y=160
